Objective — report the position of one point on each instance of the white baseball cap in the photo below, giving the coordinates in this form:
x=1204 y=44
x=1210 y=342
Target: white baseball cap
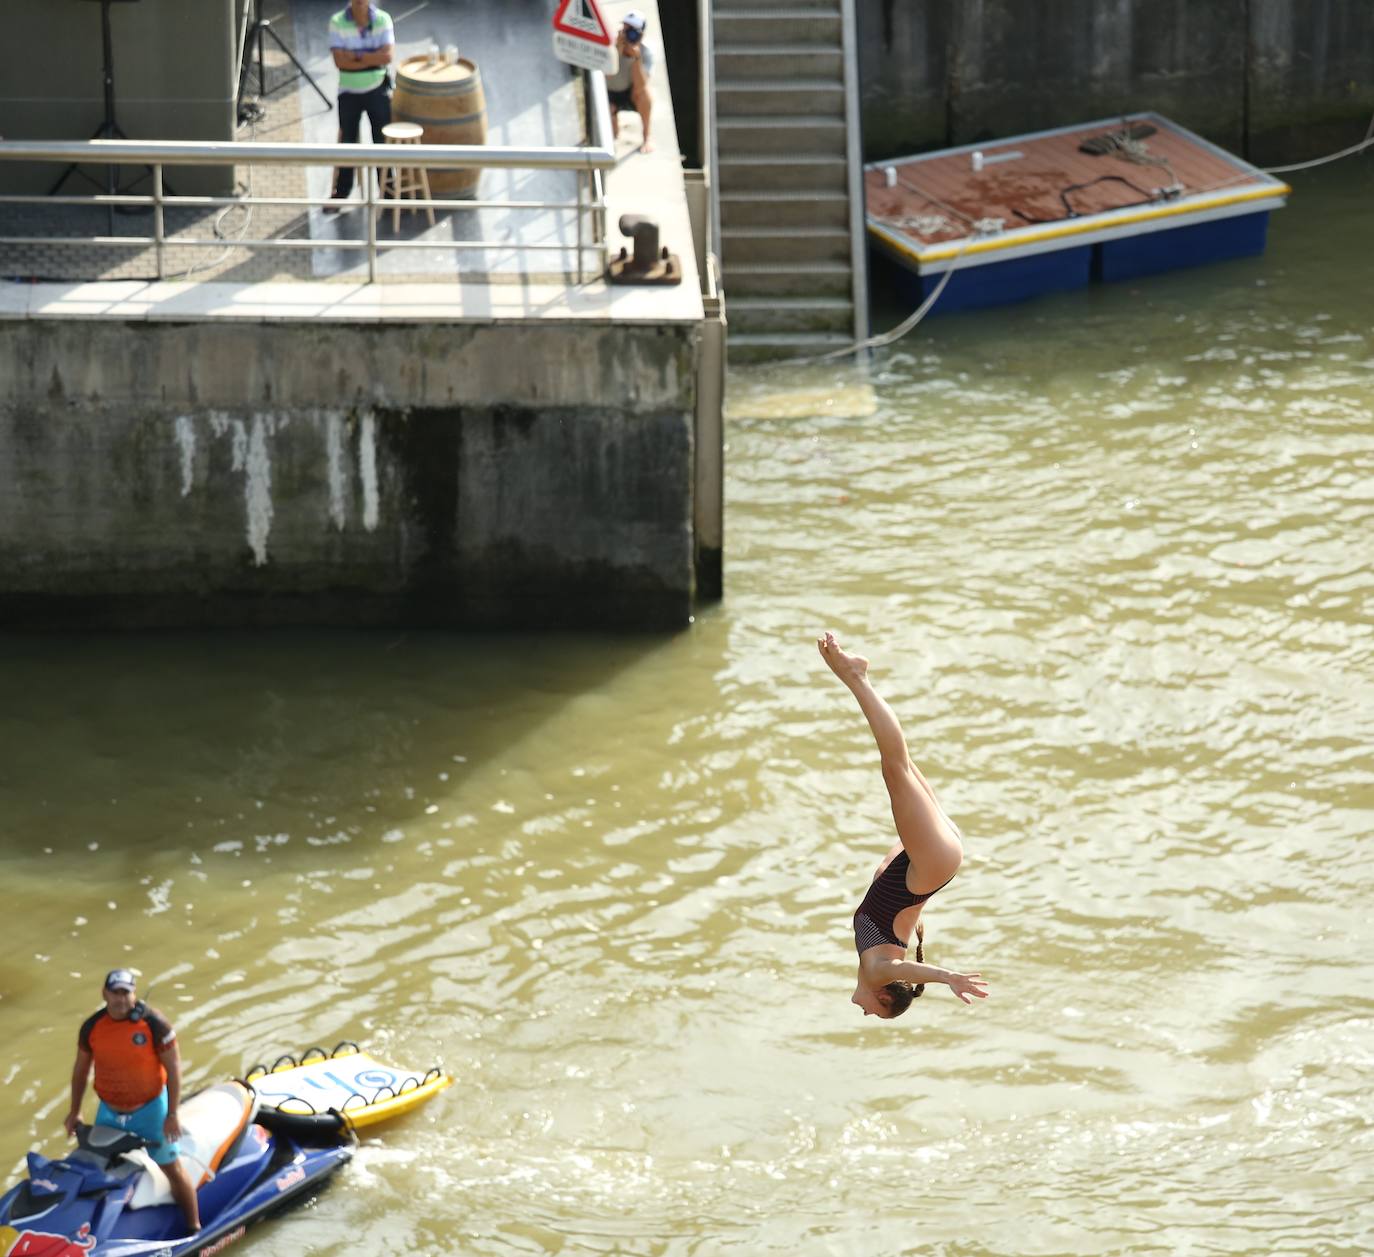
x=634 y=20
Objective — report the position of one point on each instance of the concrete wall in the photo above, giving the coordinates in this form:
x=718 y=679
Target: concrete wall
x=1311 y=76
x=171 y=474
x=1276 y=80
x=174 y=77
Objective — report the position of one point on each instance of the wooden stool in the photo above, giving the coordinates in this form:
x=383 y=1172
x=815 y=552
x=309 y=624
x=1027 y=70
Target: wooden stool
x=401 y=181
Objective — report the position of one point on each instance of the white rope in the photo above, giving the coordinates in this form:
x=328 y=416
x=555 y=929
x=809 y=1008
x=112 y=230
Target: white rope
x=1321 y=161
x=887 y=338
x=255 y=114
x=232 y=242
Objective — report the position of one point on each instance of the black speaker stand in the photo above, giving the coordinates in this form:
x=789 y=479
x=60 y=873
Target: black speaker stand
x=107 y=130
x=260 y=31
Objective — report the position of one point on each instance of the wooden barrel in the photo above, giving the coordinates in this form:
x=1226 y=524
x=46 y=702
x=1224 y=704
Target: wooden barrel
x=447 y=101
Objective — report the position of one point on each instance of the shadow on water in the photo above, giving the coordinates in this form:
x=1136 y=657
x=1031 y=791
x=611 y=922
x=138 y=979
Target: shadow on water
x=309 y=734
x=284 y=831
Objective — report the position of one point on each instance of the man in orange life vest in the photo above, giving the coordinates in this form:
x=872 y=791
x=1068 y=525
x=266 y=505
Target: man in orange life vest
x=138 y=1080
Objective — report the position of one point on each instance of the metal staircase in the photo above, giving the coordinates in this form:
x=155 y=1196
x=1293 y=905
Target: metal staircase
x=789 y=174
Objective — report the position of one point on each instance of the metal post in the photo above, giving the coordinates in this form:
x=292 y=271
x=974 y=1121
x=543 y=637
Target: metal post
x=158 y=234
x=709 y=158
x=369 y=174
x=581 y=272
x=708 y=488
x=599 y=217
x=858 y=223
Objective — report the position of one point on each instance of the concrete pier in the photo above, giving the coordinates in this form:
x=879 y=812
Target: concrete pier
x=477 y=473
x=458 y=448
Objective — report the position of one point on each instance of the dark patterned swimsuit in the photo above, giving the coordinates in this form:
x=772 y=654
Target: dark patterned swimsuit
x=885 y=899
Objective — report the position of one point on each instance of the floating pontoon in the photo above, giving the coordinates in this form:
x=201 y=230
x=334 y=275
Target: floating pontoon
x=1054 y=210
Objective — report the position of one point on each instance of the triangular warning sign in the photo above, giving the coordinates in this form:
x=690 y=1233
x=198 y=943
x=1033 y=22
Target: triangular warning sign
x=582 y=20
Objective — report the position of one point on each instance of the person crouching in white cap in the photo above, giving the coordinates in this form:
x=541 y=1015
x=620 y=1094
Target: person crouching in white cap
x=628 y=87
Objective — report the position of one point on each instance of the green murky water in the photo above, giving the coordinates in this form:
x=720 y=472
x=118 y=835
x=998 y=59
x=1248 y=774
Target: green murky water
x=1111 y=556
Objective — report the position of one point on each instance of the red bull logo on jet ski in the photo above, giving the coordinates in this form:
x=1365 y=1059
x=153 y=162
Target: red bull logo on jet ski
x=42 y=1244
x=211 y=1250
x=290 y=1178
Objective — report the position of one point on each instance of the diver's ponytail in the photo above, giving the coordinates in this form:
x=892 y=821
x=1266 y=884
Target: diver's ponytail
x=902 y=993
x=918 y=990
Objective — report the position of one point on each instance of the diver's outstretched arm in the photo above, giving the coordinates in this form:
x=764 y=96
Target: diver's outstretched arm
x=964 y=985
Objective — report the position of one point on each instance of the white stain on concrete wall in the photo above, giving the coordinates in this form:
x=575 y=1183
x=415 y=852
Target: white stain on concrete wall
x=251 y=443
x=334 y=439
x=257 y=486
x=220 y=424
x=186 y=442
x=367 y=460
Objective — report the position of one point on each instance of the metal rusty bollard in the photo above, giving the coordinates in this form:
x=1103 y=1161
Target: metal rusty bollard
x=649 y=264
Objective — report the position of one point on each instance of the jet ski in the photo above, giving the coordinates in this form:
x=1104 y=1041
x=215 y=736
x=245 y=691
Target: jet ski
x=109 y=1199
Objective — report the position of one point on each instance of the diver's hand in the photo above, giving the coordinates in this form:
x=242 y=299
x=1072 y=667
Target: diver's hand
x=966 y=984
x=69 y=1122
x=171 y=1128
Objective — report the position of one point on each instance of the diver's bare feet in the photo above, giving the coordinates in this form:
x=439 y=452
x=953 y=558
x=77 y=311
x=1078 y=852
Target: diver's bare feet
x=851 y=669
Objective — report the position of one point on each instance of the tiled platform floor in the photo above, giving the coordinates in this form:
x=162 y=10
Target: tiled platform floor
x=227 y=282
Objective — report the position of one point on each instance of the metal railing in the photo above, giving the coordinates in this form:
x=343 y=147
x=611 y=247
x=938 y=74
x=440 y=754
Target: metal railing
x=706 y=55
x=588 y=162
x=858 y=222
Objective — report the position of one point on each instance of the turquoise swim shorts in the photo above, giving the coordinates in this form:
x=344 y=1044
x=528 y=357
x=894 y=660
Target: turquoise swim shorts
x=146 y=1123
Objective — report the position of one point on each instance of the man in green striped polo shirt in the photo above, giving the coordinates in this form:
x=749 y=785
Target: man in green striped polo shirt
x=362 y=40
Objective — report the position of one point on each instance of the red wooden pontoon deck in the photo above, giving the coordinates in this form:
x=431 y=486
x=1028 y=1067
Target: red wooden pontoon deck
x=1027 y=197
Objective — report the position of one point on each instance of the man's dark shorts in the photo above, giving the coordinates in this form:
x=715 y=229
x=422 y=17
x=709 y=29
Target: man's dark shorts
x=621 y=100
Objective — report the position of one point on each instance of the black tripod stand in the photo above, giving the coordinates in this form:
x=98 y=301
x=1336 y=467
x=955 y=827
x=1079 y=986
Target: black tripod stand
x=263 y=28
x=109 y=128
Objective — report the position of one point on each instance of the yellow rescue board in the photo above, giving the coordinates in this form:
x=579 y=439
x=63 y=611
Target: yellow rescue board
x=346 y=1081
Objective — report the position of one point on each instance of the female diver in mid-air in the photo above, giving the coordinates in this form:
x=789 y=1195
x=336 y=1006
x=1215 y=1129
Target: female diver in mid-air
x=924 y=861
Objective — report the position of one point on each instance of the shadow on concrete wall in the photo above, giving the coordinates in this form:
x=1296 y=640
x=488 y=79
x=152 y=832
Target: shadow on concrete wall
x=1275 y=80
